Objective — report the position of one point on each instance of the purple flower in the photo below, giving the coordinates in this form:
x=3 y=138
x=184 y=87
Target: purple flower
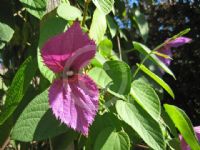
x=73 y=97
x=184 y=145
x=166 y=49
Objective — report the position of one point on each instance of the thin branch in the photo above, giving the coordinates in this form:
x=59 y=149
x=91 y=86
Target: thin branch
x=119 y=48
x=5 y=143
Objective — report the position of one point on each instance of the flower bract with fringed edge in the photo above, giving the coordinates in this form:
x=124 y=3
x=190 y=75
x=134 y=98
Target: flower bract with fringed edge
x=73 y=96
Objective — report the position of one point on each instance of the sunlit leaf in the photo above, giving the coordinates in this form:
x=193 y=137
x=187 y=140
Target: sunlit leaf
x=35 y=7
x=99 y=76
x=68 y=12
x=145 y=51
x=105 y=47
x=146 y=127
x=158 y=80
x=105 y=6
x=98 y=26
x=184 y=125
x=112 y=140
x=6 y=34
x=147 y=98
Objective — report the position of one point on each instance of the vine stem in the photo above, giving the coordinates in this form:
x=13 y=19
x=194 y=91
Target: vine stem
x=147 y=56
x=119 y=48
x=160 y=46
x=85 y=11
x=50 y=144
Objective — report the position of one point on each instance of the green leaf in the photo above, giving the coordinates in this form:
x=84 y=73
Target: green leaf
x=142 y=24
x=105 y=47
x=52 y=4
x=105 y=6
x=68 y=12
x=18 y=88
x=184 y=125
x=47 y=30
x=100 y=123
x=37 y=121
x=98 y=26
x=120 y=74
x=158 y=80
x=147 y=98
x=98 y=60
x=145 y=51
x=99 y=76
x=111 y=25
x=146 y=127
x=35 y=7
x=6 y=33
x=109 y=139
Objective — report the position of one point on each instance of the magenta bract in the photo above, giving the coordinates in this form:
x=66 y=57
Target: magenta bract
x=166 y=49
x=73 y=97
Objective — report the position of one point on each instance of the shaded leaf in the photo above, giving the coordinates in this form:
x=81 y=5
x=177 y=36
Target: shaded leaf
x=112 y=25
x=18 y=88
x=120 y=74
x=37 y=122
x=142 y=24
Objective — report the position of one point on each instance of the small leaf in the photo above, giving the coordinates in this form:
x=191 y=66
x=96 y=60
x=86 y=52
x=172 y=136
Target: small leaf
x=37 y=121
x=158 y=80
x=105 y=47
x=6 y=34
x=145 y=51
x=142 y=24
x=35 y=7
x=120 y=74
x=112 y=25
x=98 y=26
x=146 y=127
x=18 y=88
x=68 y=12
x=98 y=60
x=100 y=123
x=112 y=140
x=105 y=6
x=184 y=125
x=147 y=98
x=99 y=76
